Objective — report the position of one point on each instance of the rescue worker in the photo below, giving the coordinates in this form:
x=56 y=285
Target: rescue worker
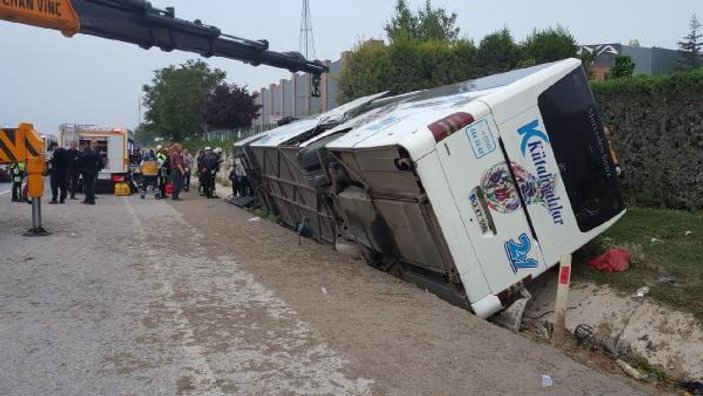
x=201 y=171
x=92 y=163
x=17 y=175
x=209 y=166
x=150 y=175
x=58 y=173
x=162 y=157
x=74 y=168
x=213 y=181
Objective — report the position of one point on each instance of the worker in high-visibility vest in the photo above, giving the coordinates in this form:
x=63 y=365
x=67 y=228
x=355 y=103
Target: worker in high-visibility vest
x=164 y=170
x=17 y=170
x=150 y=176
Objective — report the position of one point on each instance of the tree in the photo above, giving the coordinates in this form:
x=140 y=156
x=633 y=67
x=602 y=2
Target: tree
x=427 y=24
x=403 y=24
x=588 y=58
x=231 y=106
x=175 y=101
x=365 y=71
x=497 y=52
x=434 y=24
x=623 y=67
x=549 y=45
x=692 y=45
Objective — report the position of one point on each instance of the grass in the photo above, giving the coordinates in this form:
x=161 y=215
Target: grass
x=673 y=254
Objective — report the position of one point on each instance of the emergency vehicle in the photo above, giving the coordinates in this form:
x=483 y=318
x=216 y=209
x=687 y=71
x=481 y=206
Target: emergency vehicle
x=115 y=146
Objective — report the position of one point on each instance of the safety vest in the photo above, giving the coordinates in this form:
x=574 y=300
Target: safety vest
x=150 y=168
x=17 y=171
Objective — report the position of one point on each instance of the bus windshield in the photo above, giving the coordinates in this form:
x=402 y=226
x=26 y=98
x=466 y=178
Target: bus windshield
x=572 y=123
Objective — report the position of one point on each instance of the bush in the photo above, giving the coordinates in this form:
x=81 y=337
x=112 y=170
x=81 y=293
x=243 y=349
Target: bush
x=658 y=124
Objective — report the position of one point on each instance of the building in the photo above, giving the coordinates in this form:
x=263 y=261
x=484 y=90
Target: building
x=649 y=61
x=293 y=97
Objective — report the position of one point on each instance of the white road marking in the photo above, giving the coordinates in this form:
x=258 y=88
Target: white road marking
x=5 y=192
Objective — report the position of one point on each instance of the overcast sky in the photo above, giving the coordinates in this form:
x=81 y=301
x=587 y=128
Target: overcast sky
x=48 y=79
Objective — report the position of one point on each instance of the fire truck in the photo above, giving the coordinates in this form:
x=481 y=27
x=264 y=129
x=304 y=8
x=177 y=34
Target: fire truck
x=115 y=147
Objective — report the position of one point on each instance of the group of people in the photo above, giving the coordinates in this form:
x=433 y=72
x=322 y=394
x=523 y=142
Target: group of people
x=168 y=170
x=67 y=166
x=165 y=166
x=163 y=171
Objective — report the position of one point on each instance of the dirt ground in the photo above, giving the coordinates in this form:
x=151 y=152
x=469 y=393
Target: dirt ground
x=144 y=297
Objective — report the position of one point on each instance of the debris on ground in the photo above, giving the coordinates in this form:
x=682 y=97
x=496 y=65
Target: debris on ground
x=511 y=317
x=655 y=240
x=255 y=219
x=687 y=233
x=547 y=381
x=613 y=260
x=641 y=292
x=629 y=370
x=324 y=291
x=666 y=279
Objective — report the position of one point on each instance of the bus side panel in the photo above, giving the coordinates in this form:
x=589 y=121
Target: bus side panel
x=429 y=168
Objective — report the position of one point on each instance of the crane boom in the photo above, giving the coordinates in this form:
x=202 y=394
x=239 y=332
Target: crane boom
x=138 y=22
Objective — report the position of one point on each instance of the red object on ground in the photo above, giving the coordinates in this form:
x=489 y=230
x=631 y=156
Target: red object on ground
x=614 y=260
x=169 y=188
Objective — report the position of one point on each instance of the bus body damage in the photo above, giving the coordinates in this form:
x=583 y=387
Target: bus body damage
x=466 y=190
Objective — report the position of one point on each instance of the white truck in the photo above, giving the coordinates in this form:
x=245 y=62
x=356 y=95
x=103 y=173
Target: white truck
x=115 y=146
x=469 y=190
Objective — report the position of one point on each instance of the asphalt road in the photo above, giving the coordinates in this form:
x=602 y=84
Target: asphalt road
x=159 y=298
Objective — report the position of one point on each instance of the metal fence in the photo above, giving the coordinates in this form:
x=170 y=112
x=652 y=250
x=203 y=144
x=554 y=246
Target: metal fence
x=236 y=134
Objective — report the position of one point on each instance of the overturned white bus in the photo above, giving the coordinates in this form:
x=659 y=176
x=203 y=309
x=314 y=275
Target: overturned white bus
x=468 y=190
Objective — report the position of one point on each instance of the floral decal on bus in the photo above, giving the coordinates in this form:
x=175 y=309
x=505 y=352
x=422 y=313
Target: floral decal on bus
x=501 y=194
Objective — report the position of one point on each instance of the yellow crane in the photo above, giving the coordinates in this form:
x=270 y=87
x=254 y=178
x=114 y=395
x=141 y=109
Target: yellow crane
x=23 y=144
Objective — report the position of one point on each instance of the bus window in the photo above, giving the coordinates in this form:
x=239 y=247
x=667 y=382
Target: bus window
x=572 y=123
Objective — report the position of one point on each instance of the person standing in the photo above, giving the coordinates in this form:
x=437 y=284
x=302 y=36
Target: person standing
x=150 y=175
x=242 y=180
x=213 y=180
x=17 y=175
x=74 y=168
x=91 y=167
x=162 y=157
x=58 y=173
x=188 y=161
x=209 y=167
x=175 y=159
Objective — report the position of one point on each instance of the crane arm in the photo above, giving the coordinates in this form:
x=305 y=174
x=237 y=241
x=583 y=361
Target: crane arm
x=138 y=22
x=23 y=144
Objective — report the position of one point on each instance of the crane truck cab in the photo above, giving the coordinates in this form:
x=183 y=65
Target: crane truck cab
x=469 y=190
x=114 y=145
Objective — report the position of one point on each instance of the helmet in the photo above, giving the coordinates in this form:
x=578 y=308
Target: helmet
x=159 y=147
x=218 y=150
x=208 y=148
